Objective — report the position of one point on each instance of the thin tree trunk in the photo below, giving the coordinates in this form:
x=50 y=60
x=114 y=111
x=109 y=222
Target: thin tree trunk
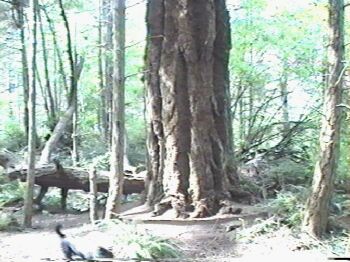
x=317 y=208
x=102 y=108
x=108 y=16
x=61 y=125
x=43 y=93
x=75 y=136
x=57 y=49
x=52 y=111
x=29 y=191
x=242 y=120
x=285 y=109
x=75 y=71
x=118 y=123
x=25 y=74
x=73 y=83
x=93 y=194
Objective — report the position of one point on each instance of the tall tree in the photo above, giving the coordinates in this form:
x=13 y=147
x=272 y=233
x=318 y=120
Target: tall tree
x=56 y=49
x=187 y=104
x=107 y=118
x=76 y=67
x=317 y=210
x=118 y=124
x=19 y=8
x=28 y=198
x=102 y=107
x=48 y=88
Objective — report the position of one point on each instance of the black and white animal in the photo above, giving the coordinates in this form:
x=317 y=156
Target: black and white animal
x=68 y=249
x=72 y=253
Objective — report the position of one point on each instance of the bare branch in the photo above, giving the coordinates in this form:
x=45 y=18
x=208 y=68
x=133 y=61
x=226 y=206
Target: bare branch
x=8 y=1
x=344 y=105
x=138 y=3
x=135 y=74
x=341 y=75
x=139 y=42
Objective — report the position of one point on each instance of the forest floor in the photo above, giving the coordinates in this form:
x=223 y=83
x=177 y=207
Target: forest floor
x=200 y=240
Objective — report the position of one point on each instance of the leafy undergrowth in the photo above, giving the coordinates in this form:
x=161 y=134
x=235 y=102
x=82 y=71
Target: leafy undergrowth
x=281 y=234
x=130 y=242
x=8 y=222
x=11 y=192
x=288 y=205
x=270 y=238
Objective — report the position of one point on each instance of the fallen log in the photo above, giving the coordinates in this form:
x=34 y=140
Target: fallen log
x=74 y=178
x=54 y=175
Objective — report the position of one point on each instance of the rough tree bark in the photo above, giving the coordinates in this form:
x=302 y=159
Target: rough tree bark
x=118 y=124
x=187 y=105
x=317 y=210
x=29 y=189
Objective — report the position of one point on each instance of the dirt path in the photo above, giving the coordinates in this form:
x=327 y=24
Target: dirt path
x=205 y=240
x=42 y=244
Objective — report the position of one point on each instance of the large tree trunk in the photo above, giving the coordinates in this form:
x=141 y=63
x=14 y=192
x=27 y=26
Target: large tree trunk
x=118 y=123
x=155 y=141
x=29 y=191
x=317 y=211
x=187 y=60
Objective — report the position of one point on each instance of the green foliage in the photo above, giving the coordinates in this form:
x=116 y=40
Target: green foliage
x=76 y=200
x=271 y=46
x=52 y=198
x=338 y=243
x=259 y=228
x=270 y=236
x=289 y=206
x=249 y=186
x=11 y=192
x=285 y=171
x=275 y=175
x=136 y=148
x=101 y=161
x=7 y=221
x=133 y=244
x=12 y=136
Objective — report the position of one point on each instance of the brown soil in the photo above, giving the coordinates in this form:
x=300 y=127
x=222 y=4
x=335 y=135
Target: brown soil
x=199 y=239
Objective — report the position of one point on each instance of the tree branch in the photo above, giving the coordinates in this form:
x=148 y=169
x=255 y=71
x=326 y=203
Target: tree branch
x=135 y=4
x=8 y=1
x=344 y=105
